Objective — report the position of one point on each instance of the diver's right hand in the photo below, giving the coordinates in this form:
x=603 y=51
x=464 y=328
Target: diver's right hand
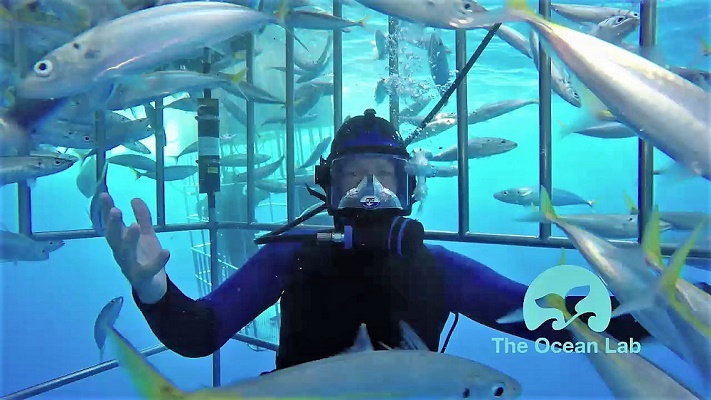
x=137 y=249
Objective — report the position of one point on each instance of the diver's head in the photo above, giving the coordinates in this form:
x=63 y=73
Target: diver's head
x=365 y=175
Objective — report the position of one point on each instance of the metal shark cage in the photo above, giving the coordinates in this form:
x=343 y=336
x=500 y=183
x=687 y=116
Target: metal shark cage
x=211 y=268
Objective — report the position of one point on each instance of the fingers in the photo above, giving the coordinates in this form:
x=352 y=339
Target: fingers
x=143 y=215
x=127 y=253
x=114 y=224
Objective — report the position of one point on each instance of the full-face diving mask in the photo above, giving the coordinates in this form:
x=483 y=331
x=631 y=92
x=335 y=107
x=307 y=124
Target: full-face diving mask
x=368 y=182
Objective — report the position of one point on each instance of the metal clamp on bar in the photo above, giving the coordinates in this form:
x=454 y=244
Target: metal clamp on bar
x=208 y=117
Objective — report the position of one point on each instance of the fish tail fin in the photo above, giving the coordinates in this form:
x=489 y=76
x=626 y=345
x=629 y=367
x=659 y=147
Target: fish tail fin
x=136 y=172
x=149 y=382
x=362 y=22
x=547 y=206
x=705 y=48
x=631 y=204
x=565 y=130
x=651 y=240
x=519 y=5
x=237 y=77
x=670 y=276
x=561 y=260
x=282 y=12
x=605 y=115
x=5 y=14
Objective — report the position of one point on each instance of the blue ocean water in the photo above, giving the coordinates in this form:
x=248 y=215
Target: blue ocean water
x=48 y=308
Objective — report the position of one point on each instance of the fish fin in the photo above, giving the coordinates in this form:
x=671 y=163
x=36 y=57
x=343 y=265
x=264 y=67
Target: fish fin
x=385 y=346
x=705 y=48
x=521 y=6
x=135 y=172
x=546 y=206
x=101 y=354
x=590 y=109
x=565 y=129
x=561 y=260
x=362 y=341
x=592 y=203
x=410 y=338
x=5 y=14
x=533 y=216
x=605 y=115
x=513 y=317
x=281 y=14
x=237 y=77
x=638 y=304
x=650 y=239
x=674 y=173
x=670 y=276
x=149 y=382
x=631 y=205
x=363 y=21
x=31 y=183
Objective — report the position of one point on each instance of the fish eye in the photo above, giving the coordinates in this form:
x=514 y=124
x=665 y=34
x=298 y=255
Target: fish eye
x=620 y=19
x=630 y=219
x=43 y=68
x=497 y=390
x=505 y=192
x=57 y=162
x=86 y=139
x=466 y=7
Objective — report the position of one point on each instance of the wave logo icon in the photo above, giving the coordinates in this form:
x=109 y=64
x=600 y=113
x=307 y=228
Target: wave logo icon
x=560 y=280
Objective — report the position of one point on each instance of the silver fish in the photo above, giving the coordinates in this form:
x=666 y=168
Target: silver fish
x=240 y=160
x=627 y=374
x=171 y=173
x=95 y=207
x=593 y=14
x=447 y=376
x=18 y=168
x=605 y=130
x=316 y=153
x=133 y=161
x=631 y=274
x=493 y=110
x=259 y=173
x=615 y=29
x=560 y=81
x=439 y=65
x=479 y=147
x=16 y=247
x=528 y=195
x=107 y=316
x=313 y=20
x=95 y=57
x=665 y=109
x=443 y=14
x=146 y=88
x=137 y=146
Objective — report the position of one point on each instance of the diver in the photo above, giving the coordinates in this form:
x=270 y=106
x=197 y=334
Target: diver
x=373 y=268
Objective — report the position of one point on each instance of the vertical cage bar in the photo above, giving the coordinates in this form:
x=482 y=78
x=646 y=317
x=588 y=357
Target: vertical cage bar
x=160 y=139
x=337 y=68
x=462 y=134
x=251 y=131
x=215 y=267
x=290 y=161
x=394 y=71
x=645 y=151
x=24 y=194
x=545 y=153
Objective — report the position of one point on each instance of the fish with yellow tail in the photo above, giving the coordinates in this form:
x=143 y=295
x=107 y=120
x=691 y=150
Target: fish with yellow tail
x=663 y=108
x=627 y=374
x=360 y=372
x=671 y=309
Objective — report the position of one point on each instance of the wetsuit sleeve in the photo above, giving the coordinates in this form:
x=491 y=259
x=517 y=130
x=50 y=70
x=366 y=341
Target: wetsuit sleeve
x=197 y=328
x=484 y=296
